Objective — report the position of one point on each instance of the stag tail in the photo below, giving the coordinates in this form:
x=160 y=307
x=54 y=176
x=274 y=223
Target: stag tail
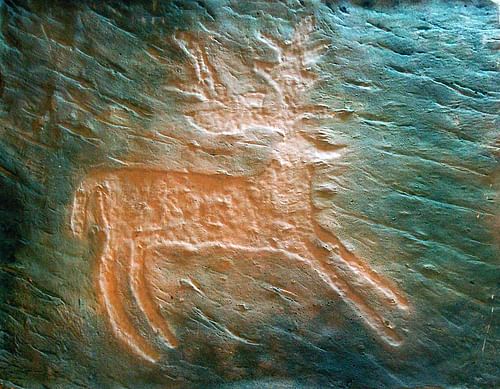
x=84 y=212
x=79 y=213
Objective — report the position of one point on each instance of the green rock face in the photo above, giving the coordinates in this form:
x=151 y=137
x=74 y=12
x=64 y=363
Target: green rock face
x=246 y=194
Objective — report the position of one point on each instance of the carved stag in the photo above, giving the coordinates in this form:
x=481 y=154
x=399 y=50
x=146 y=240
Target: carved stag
x=133 y=210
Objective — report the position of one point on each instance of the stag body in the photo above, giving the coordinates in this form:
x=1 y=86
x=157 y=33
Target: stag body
x=140 y=208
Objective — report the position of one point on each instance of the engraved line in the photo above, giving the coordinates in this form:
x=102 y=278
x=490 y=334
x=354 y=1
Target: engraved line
x=120 y=323
x=361 y=268
x=144 y=300
x=380 y=325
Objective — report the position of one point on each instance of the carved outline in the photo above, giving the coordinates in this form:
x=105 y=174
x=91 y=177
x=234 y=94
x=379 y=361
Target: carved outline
x=89 y=203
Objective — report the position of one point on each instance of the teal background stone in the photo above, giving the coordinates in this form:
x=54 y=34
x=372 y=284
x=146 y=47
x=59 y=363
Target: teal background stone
x=416 y=195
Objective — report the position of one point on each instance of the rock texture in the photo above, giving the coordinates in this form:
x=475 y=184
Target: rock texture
x=249 y=194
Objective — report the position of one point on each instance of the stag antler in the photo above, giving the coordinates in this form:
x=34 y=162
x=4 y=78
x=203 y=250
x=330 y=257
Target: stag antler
x=280 y=104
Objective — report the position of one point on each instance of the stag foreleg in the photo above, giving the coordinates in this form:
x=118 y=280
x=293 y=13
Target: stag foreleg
x=359 y=285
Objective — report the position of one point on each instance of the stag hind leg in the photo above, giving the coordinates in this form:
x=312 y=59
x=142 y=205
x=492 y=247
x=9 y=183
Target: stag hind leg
x=111 y=284
x=374 y=298
x=140 y=290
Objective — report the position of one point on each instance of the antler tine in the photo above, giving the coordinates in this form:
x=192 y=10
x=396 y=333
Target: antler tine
x=313 y=49
x=259 y=70
x=182 y=45
x=217 y=86
x=198 y=58
x=209 y=88
x=304 y=30
x=272 y=43
x=206 y=78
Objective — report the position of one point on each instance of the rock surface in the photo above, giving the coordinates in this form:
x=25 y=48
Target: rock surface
x=253 y=194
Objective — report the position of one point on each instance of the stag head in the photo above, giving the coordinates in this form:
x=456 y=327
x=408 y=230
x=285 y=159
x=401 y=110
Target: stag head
x=276 y=100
